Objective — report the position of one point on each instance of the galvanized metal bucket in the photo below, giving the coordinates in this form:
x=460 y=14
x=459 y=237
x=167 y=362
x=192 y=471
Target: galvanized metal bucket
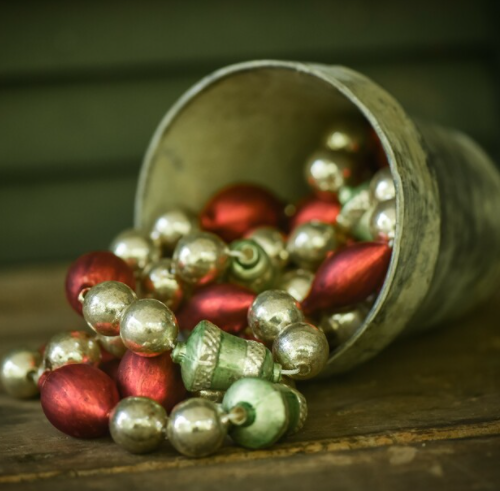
x=258 y=122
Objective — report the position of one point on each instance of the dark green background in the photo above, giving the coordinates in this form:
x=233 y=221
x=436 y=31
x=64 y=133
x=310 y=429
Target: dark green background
x=83 y=86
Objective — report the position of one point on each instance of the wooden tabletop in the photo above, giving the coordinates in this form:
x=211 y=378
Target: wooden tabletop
x=424 y=415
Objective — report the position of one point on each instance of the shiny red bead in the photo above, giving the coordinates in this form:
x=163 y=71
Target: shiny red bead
x=313 y=208
x=235 y=210
x=223 y=304
x=158 y=378
x=348 y=276
x=77 y=400
x=93 y=268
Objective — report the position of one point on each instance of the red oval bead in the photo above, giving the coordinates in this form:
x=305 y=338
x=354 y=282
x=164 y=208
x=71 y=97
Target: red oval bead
x=348 y=276
x=235 y=210
x=224 y=304
x=93 y=268
x=158 y=378
x=77 y=400
x=313 y=208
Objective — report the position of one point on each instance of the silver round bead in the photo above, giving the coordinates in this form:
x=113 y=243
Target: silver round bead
x=382 y=186
x=195 y=427
x=383 y=221
x=104 y=304
x=310 y=243
x=136 y=249
x=271 y=312
x=138 y=424
x=273 y=242
x=171 y=226
x=340 y=326
x=149 y=328
x=71 y=347
x=348 y=135
x=112 y=344
x=200 y=258
x=159 y=281
x=296 y=283
x=328 y=171
x=18 y=373
x=301 y=347
x=211 y=395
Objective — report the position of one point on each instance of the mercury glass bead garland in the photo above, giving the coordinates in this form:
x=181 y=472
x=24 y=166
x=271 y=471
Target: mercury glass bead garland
x=201 y=324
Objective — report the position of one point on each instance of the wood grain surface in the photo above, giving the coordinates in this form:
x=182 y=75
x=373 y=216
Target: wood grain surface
x=424 y=415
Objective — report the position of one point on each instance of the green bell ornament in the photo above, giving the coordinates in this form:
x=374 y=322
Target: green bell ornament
x=267 y=412
x=251 y=267
x=213 y=359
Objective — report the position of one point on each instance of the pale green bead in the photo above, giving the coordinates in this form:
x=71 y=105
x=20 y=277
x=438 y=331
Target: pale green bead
x=361 y=230
x=354 y=206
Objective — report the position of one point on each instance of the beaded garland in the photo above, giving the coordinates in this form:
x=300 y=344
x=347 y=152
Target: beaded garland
x=263 y=292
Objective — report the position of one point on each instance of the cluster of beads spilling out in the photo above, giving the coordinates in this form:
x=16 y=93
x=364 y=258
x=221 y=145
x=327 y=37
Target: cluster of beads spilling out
x=201 y=325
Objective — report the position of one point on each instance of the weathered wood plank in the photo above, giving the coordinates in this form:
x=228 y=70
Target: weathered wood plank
x=56 y=37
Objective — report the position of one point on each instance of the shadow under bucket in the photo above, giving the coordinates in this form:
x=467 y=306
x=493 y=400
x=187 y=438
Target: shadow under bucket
x=259 y=121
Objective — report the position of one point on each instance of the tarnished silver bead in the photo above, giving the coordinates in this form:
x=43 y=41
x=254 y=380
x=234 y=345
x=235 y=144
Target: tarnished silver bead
x=271 y=312
x=136 y=249
x=340 y=326
x=382 y=186
x=211 y=395
x=138 y=424
x=18 y=373
x=301 y=347
x=200 y=258
x=348 y=135
x=273 y=242
x=383 y=221
x=149 y=327
x=104 y=304
x=296 y=283
x=159 y=281
x=195 y=427
x=71 y=347
x=171 y=226
x=112 y=344
x=310 y=243
x=328 y=171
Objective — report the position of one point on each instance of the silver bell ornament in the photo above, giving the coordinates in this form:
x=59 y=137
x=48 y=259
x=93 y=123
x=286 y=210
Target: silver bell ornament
x=195 y=427
x=136 y=249
x=18 y=373
x=104 y=304
x=159 y=281
x=171 y=226
x=200 y=258
x=310 y=243
x=138 y=424
x=302 y=350
x=149 y=328
x=271 y=312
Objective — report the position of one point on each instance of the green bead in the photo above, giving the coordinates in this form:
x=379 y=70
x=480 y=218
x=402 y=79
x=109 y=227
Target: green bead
x=213 y=359
x=359 y=201
x=361 y=230
x=252 y=268
x=267 y=408
x=297 y=406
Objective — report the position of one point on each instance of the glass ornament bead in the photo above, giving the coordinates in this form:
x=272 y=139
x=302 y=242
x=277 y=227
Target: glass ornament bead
x=297 y=405
x=136 y=249
x=171 y=226
x=310 y=243
x=383 y=221
x=250 y=266
x=138 y=424
x=213 y=359
x=296 y=282
x=74 y=347
x=382 y=187
x=211 y=395
x=148 y=327
x=94 y=268
x=303 y=348
x=159 y=281
x=195 y=428
x=18 y=372
x=273 y=242
x=112 y=345
x=200 y=258
x=271 y=312
x=104 y=304
x=340 y=326
x=353 y=208
x=348 y=135
x=315 y=209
